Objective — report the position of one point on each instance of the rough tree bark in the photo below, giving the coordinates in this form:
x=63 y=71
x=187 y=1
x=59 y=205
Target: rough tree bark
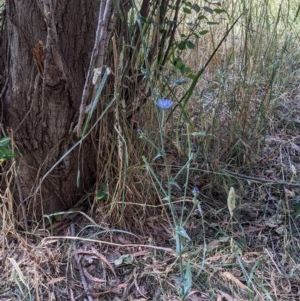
x=45 y=53
x=48 y=53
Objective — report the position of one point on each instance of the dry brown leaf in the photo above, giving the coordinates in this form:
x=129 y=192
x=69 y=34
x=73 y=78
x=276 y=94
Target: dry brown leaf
x=231 y=277
x=289 y=193
x=213 y=245
x=55 y=280
x=123 y=240
x=196 y=296
x=92 y=278
x=103 y=258
x=226 y=296
x=281 y=229
x=93 y=251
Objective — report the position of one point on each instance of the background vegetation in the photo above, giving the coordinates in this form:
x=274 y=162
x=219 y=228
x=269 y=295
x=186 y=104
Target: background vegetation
x=204 y=204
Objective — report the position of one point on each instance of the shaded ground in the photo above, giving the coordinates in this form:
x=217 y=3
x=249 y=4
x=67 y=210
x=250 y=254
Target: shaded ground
x=252 y=256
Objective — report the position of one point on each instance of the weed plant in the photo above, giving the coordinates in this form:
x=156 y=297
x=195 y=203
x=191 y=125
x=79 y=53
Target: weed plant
x=165 y=191
x=225 y=84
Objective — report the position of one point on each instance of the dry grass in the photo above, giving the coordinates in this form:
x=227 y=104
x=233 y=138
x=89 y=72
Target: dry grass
x=245 y=118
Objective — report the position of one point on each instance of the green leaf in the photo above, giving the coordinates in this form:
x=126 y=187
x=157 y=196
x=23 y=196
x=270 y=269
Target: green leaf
x=187 y=70
x=212 y=23
x=190 y=44
x=6 y=153
x=181 y=231
x=203 y=32
x=178 y=64
x=188 y=278
x=181 y=45
x=208 y=9
x=187 y=10
x=196 y=7
x=102 y=194
x=219 y=10
x=178 y=245
x=201 y=17
x=4 y=141
x=191 y=76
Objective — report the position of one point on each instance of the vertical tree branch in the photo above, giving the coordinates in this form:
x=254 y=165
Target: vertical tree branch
x=96 y=62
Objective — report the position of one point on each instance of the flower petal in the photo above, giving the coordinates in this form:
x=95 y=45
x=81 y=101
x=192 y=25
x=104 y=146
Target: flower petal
x=164 y=103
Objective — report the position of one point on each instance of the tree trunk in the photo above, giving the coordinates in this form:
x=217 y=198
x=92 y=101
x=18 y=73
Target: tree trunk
x=45 y=52
x=50 y=50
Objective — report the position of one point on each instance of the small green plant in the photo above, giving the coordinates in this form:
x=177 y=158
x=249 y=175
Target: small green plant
x=5 y=151
x=179 y=219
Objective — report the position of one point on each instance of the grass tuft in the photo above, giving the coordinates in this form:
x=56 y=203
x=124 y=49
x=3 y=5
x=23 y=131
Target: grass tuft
x=194 y=201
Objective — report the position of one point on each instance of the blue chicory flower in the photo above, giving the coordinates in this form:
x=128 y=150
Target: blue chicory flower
x=164 y=103
x=195 y=191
